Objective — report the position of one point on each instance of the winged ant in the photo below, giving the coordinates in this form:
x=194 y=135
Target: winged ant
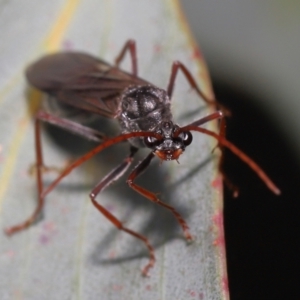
x=89 y=85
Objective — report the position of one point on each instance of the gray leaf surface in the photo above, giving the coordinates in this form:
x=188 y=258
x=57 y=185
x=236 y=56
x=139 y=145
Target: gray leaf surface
x=73 y=252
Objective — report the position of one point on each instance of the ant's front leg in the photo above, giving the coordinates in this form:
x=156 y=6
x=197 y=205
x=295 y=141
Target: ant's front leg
x=114 y=175
x=153 y=197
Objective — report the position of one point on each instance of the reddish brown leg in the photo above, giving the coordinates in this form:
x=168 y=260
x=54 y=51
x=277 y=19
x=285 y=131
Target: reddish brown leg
x=39 y=166
x=239 y=153
x=177 y=65
x=73 y=127
x=120 y=226
x=231 y=186
x=152 y=196
x=43 y=192
x=131 y=47
x=211 y=117
x=222 y=133
x=107 y=143
x=114 y=175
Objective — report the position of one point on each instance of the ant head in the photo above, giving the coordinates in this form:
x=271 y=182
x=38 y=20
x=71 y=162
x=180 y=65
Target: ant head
x=171 y=146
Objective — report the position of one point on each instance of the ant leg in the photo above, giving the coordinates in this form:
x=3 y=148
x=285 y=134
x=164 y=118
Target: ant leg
x=76 y=128
x=222 y=134
x=114 y=175
x=43 y=192
x=73 y=127
x=178 y=65
x=235 y=150
x=39 y=167
x=152 y=196
x=106 y=143
x=131 y=47
x=210 y=117
x=231 y=186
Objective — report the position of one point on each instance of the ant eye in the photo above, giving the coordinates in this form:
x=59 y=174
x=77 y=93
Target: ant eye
x=150 y=141
x=187 y=138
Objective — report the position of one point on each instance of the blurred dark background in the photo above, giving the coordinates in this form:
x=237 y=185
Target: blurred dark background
x=252 y=51
x=261 y=229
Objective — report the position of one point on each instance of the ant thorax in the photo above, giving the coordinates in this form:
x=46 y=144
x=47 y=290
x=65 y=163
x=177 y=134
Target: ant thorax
x=143 y=108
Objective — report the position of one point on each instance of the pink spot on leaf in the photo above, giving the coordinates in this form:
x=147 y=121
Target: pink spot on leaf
x=157 y=48
x=11 y=253
x=217 y=183
x=44 y=239
x=65 y=210
x=117 y=287
x=48 y=232
x=196 y=54
x=225 y=284
x=49 y=226
x=192 y=293
x=67 y=45
x=8 y=254
x=218 y=221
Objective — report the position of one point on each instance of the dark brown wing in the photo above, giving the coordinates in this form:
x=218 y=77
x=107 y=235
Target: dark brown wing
x=82 y=81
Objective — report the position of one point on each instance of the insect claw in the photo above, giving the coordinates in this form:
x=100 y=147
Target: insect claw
x=145 y=271
x=189 y=238
x=9 y=231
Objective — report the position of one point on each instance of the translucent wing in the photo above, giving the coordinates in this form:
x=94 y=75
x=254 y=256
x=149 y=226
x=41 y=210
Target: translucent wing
x=82 y=81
